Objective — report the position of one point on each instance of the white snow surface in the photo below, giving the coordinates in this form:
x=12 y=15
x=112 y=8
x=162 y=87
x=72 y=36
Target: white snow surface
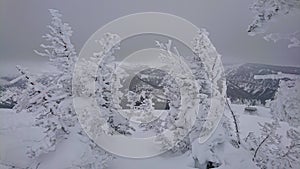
x=16 y=132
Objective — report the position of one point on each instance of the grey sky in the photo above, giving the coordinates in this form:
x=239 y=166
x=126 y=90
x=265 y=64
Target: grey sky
x=22 y=23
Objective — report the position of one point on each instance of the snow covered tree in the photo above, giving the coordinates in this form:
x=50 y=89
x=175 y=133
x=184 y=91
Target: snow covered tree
x=272 y=149
x=107 y=84
x=10 y=96
x=175 y=119
x=265 y=11
x=291 y=152
x=205 y=64
x=51 y=104
x=236 y=141
x=285 y=106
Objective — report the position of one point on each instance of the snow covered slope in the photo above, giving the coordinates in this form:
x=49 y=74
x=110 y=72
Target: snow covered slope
x=16 y=133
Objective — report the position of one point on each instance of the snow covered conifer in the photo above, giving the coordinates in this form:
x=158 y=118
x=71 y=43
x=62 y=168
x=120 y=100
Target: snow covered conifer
x=205 y=64
x=266 y=10
x=286 y=104
x=271 y=149
x=50 y=102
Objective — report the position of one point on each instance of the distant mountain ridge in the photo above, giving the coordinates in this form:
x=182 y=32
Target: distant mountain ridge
x=240 y=81
x=242 y=85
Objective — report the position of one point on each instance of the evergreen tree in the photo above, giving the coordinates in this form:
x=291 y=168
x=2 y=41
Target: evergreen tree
x=51 y=103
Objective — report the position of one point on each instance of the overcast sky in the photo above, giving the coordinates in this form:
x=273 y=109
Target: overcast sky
x=22 y=23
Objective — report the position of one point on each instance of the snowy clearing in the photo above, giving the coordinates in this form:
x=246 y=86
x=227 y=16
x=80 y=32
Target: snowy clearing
x=16 y=132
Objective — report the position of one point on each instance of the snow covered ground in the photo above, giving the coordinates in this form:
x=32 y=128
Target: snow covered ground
x=16 y=133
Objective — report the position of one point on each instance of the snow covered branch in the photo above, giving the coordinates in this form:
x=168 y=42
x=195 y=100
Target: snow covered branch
x=267 y=10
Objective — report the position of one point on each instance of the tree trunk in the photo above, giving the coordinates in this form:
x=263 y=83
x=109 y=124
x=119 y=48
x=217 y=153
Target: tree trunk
x=235 y=123
x=259 y=147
